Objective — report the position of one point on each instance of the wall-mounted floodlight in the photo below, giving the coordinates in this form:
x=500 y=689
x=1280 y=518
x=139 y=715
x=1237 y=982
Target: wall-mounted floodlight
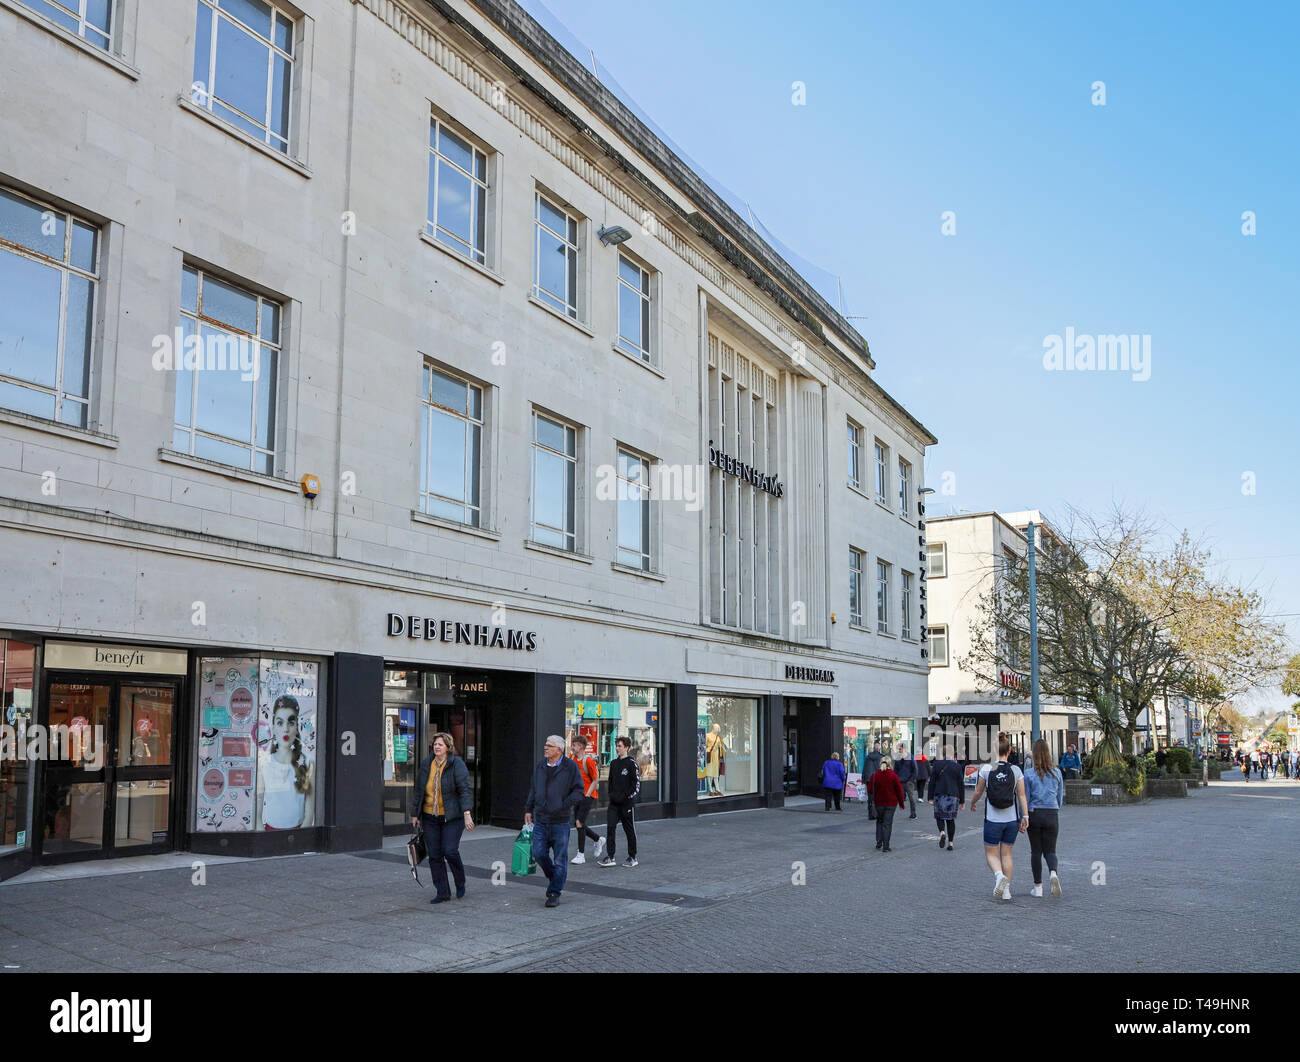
x=612 y=235
x=925 y=490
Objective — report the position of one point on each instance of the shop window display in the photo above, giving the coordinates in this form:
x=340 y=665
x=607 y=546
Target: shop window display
x=17 y=665
x=601 y=712
x=726 y=746
x=860 y=735
x=258 y=722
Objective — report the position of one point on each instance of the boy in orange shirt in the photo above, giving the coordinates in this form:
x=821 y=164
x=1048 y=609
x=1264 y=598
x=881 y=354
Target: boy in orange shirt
x=590 y=772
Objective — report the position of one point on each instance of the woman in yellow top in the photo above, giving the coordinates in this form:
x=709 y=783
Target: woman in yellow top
x=442 y=802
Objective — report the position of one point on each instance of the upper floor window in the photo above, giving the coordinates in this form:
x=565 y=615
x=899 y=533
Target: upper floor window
x=91 y=20
x=634 y=510
x=451 y=438
x=226 y=381
x=882 y=597
x=882 y=472
x=904 y=487
x=49 y=279
x=937 y=637
x=633 y=308
x=243 y=66
x=936 y=556
x=907 y=605
x=555 y=481
x=458 y=192
x=555 y=271
x=855 y=455
x=855 y=586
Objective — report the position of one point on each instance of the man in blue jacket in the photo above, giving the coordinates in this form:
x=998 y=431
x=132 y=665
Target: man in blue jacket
x=555 y=792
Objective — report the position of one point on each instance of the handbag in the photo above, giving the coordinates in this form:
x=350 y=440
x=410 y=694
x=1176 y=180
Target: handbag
x=416 y=854
x=521 y=860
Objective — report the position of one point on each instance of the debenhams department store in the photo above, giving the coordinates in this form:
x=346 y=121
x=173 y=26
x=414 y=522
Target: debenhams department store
x=249 y=750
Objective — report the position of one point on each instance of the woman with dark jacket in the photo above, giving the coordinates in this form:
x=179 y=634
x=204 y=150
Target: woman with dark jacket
x=833 y=778
x=948 y=795
x=442 y=807
x=886 y=793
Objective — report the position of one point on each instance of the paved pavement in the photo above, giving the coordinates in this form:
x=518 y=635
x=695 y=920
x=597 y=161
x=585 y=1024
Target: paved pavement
x=1162 y=886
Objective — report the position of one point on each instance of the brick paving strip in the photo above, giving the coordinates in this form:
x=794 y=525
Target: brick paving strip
x=712 y=894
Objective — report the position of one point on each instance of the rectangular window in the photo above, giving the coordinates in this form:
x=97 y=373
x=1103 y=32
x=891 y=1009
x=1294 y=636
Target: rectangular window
x=555 y=474
x=633 y=308
x=49 y=277
x=91 y=20
x=555 y=252
x=451 y=434
x=634 y=510
x=882 y=597
x=882 y=472
x=904 y=488
x=855 y=586
x=257 y=725
x=936 y=557
x=226 y=391
x=907 y=605
x=938 y=639
x=601 y=712
x=727 y=755
x=855 y=455
x=243 y=66
x=458 y=193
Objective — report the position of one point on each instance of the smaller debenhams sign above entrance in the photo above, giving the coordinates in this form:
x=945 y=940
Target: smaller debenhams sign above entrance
x=808 y=674
x=435 y=630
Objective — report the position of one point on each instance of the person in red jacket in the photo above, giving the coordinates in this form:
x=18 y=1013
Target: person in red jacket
x=886 y=792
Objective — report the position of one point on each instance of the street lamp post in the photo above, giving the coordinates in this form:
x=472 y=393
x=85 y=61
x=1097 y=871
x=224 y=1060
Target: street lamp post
x=1033 y=635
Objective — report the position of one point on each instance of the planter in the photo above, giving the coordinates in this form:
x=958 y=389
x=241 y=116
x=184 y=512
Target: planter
x=1082 y=791
x=1159 y=788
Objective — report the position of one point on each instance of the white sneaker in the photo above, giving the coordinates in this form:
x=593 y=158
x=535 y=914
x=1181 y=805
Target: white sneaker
x=1056 y=886
x=579 y=858
x=1000 y=886
x=1007 y=895
x=600 y=850
x=1037 y=890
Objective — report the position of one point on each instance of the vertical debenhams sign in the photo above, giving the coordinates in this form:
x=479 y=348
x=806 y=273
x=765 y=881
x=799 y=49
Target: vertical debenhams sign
x=429 y=629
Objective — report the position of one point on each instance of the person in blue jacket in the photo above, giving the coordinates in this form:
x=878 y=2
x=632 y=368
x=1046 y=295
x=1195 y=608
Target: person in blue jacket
x=833 y=779
x=1070 y=763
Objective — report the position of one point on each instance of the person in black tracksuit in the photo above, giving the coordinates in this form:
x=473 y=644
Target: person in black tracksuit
x=624 y=788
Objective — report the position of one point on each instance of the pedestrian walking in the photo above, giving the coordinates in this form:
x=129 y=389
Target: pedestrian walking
x=555 y=791
x=441 y=809
x=590 y=771
x=870 y=765
x=1254 y=761
x=905 y=768
x=948 y=795
x=1045 y=788
x=624 y=788
x=923 y=769
x=886 y=794
x=1006 y=813
x=833 y=779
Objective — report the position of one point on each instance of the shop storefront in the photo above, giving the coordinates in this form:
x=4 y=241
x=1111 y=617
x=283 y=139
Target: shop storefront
x=862 y=734
x=17 y=688
x=728 y=740
x=601 y=712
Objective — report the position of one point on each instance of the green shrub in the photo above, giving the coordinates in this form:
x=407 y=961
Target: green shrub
x=1127 y=774
x=1180 y=761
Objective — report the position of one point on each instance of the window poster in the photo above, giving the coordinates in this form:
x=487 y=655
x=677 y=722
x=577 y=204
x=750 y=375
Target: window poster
x=701 y=727
x=286 y=754
x=227 y=758
x=257 y=723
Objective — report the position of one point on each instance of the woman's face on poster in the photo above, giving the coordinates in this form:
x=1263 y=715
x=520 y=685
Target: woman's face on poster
x=284 y=729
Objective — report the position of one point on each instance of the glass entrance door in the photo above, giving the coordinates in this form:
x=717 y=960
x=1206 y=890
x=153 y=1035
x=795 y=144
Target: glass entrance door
x=108 y=785
x=464 y=724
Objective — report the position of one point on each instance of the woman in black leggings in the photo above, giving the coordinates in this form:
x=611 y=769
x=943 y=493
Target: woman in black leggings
x=1045 y=788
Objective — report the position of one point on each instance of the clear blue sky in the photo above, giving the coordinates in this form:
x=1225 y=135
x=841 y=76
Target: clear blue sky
x=1123 y=218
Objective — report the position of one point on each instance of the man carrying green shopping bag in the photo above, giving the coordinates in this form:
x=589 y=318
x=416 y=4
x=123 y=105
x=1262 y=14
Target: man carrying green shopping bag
x=555 y=792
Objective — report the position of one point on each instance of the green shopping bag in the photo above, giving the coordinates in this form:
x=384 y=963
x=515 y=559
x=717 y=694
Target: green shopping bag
x=522 y=861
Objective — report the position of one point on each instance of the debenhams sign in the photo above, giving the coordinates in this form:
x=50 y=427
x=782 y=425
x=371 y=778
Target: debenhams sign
x=751 y=475
x=456 y=633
